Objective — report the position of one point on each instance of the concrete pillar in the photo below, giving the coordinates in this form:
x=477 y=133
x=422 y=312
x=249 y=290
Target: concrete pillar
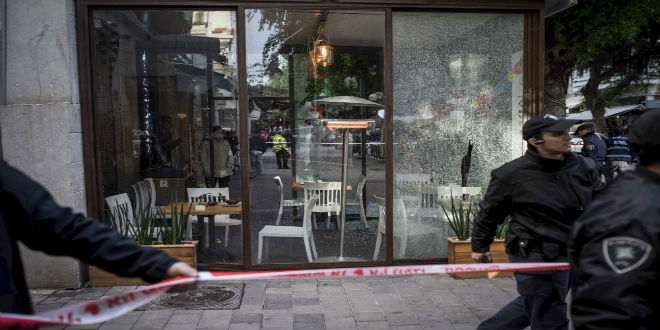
x=40 y=124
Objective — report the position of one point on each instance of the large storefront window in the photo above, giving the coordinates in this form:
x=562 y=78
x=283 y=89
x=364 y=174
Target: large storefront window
x=315 y=98
x=165 y=86
x=457 y=80
x=165 y=93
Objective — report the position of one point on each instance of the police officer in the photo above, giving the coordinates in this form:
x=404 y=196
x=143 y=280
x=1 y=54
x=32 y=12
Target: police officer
x=281 y=151
x=614 y=244
x=543 y=191
x=593 y=147
x=619 y=156
x=28 y=214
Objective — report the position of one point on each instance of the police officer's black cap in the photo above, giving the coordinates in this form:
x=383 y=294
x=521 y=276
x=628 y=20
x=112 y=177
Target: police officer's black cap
x=587 y=126
x=546 y=123
x=644 y=136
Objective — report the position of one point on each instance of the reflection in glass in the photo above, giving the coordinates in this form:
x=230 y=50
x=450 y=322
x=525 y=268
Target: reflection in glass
x=164 y=81
x=288 y=77
x=457 y=80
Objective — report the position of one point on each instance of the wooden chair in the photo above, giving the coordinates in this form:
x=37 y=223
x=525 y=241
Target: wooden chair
x=329 y=200
x=211 y=195
x=284 y=202
x=304 y=232
x=359 y=201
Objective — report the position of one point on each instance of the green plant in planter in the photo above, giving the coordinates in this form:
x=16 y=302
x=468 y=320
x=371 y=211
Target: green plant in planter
x=502 y=228
x=460 y=219
x=144 y=229
x=120 y=219
x=141 y=229
x=178 y=221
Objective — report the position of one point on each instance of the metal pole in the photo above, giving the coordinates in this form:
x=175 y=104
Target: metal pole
x=344 y=174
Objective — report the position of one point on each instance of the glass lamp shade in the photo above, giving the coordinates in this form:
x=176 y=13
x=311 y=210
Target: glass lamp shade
x=323 y=53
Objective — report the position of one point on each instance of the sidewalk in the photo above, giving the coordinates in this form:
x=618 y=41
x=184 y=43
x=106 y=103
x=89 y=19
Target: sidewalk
x=415 y=302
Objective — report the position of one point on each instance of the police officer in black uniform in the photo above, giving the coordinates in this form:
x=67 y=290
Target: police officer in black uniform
x=29 y=214
x=593 y=146
x=614 y=244
x=543 y=191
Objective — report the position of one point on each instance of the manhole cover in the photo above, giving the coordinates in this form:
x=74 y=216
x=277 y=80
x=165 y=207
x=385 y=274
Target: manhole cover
x=203 y=296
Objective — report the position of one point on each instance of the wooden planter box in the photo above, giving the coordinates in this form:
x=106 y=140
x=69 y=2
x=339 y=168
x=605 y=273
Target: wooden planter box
x=460 y=252
x=186 y=252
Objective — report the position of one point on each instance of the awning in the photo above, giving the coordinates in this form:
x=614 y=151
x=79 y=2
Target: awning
x=609 y=112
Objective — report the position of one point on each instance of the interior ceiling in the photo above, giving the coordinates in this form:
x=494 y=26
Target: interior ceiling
x=343 y=28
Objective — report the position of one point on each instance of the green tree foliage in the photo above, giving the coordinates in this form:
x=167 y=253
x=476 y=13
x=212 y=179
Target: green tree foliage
x=616 y=42
x=331 y=80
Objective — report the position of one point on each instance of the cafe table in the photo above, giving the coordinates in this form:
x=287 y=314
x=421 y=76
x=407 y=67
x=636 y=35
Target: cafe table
x=205 y=217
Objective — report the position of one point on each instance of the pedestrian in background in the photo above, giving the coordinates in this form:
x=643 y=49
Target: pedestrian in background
x=281 y=151
x=614 y=244
x=593 y=146
x=543 y=191
x=257 y=149
x=28 y=214
x=619 y=154
x=223 y=160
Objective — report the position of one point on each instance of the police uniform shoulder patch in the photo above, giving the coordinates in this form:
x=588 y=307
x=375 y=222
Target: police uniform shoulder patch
x=624 y=254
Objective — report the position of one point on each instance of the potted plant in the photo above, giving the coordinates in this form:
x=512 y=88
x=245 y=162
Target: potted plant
x=460 y=219
x=156 y=229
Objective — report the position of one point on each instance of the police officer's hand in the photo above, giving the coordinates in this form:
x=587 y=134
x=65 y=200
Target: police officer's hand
x=482 y=256
x=180 y=269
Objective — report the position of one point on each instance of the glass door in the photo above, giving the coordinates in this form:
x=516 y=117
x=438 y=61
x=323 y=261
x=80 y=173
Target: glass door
x=315 y=85
x=165 y=96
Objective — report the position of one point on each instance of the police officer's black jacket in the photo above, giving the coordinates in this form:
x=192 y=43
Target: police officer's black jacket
x=30 y=215
x=594 y=148
x=614 y=256
x=543 y=197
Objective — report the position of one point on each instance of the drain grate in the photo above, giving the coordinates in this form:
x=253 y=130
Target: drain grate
x=203 y=296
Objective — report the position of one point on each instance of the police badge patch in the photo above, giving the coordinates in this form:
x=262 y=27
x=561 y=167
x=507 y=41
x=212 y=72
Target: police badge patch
x=624 y=254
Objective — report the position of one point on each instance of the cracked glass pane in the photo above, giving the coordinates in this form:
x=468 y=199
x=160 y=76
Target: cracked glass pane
x=457 y=93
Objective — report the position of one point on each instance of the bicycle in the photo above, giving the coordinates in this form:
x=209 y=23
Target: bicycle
x=254 y=165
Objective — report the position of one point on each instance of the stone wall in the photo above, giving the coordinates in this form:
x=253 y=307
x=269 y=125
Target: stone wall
x=40 y=124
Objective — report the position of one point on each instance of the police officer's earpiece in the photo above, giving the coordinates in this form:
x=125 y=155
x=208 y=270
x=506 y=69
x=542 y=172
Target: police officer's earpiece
x=537 y=142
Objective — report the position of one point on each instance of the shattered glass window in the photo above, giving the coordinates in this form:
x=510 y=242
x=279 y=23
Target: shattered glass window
x=457 y=105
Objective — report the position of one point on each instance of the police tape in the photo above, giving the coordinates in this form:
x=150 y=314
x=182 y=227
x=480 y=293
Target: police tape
x=107 y=308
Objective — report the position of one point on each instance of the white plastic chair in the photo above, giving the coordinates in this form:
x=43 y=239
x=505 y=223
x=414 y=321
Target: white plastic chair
x=359 y=201
x=382 y=226
x=284 y=202
x=402 y=228
x=304 y=232
x=445 y=192
x=406 y=185
x=152 y=193
x=118 y=202
x=329 y=200
x=211 y=195
x=143 y=197
x=427 y=202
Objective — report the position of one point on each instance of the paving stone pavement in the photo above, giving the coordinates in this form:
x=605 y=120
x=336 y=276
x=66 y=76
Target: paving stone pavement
x=397 y=303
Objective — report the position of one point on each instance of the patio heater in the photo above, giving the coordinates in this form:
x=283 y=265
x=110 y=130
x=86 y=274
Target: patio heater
x=344 y=126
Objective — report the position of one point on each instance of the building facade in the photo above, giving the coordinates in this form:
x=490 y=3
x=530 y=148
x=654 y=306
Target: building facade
x=386 y=101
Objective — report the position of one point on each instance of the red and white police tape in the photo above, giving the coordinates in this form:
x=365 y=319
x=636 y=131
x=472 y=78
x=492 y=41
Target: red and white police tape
x=110 y=307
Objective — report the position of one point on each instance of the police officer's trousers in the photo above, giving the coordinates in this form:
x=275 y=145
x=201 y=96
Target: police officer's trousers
x=542 y=300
